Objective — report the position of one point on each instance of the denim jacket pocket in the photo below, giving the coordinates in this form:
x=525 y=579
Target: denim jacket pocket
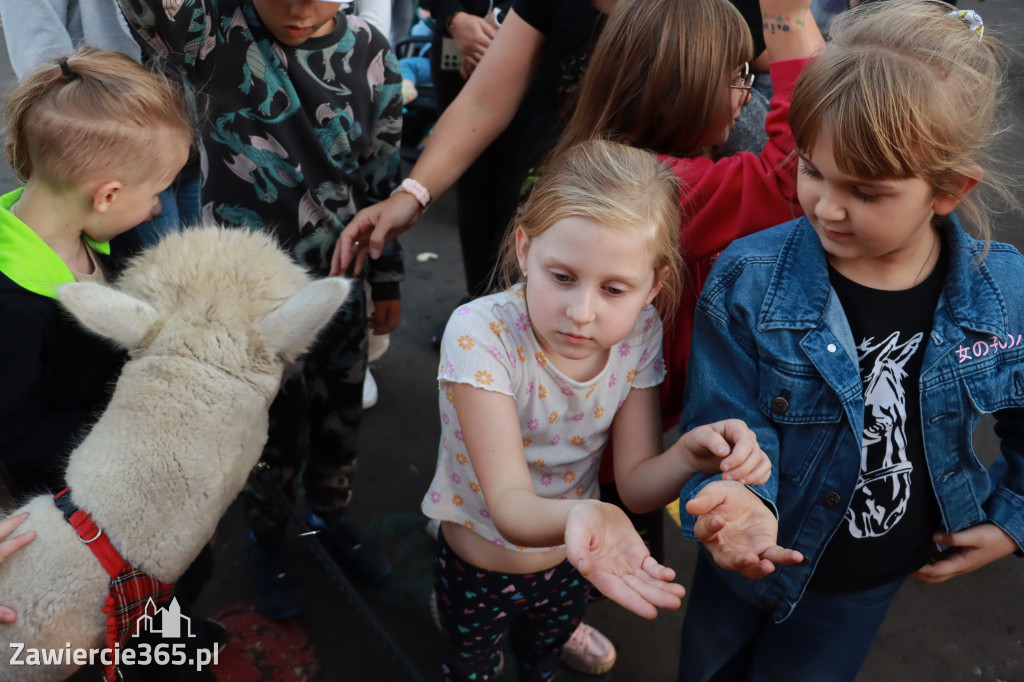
x=994 y=381
x=793 y=397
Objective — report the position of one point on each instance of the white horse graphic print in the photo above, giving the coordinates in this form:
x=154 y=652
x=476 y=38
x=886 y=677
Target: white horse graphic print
x=883 y=488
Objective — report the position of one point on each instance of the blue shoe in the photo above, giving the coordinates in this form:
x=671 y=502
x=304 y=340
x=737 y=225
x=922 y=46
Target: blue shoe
x=276 y=592
x=359 y=556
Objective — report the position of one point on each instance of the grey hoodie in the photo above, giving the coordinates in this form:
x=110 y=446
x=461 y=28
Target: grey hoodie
x=38 y=31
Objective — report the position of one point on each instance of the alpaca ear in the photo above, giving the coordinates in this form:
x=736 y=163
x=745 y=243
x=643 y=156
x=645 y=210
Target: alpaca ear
x=108 y=312
x=291 y=329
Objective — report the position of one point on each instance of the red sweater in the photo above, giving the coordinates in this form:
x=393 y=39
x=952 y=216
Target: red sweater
x=722 y=201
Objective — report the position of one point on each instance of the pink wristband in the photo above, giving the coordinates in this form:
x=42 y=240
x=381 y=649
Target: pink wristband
x=418 y=192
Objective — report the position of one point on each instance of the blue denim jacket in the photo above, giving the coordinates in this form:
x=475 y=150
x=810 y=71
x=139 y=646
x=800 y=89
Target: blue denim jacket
x=772 y=346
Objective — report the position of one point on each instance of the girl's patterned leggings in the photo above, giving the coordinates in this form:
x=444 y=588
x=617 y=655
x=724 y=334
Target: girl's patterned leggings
x=538 y=611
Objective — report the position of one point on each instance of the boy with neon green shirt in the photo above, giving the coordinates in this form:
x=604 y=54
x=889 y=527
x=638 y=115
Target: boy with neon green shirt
x=95 y=137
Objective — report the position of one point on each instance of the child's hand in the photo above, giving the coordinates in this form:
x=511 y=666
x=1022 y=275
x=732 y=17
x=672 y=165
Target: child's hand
x=968 y=550
x=730 y=447
x=603 y=545
x=739 y=530
x=8 y=547
x=384 y=318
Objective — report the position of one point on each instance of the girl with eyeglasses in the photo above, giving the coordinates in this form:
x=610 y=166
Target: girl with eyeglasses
x=673 y=77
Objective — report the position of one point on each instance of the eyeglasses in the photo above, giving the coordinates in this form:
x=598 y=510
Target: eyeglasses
x=743 y=81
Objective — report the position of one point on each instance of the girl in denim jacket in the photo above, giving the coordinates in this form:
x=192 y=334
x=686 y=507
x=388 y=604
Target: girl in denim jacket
x=862 y=344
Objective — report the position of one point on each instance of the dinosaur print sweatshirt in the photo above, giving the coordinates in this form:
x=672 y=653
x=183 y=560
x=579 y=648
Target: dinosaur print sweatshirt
x=295 y=139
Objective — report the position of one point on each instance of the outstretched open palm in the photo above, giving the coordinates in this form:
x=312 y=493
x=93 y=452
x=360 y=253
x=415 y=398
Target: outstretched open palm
x=738 y=529
x=603 y=545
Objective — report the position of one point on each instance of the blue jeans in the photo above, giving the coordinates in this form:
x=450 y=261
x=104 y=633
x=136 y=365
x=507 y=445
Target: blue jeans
x=152 y=231
x=186 y=194
x=826 y=639
x=179 y=205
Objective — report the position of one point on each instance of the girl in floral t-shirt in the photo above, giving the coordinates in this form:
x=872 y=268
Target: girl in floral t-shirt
x=532 y=381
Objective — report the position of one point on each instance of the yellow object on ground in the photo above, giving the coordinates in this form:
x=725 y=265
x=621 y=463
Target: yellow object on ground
x=673 y=511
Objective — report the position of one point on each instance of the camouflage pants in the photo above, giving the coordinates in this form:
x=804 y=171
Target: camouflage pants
x=314 y=422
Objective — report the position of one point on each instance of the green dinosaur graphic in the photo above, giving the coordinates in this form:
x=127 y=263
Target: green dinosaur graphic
x=274 y=77
x=263 y=162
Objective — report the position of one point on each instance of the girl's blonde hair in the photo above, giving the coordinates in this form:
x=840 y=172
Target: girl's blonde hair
x=617 y=186
x=91 y=114
x=656 y=74
x=905 y=90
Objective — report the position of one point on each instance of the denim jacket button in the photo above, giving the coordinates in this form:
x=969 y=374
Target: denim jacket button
x=831 y=499
x=780 y=405
x=831 y=348
x=767 y=604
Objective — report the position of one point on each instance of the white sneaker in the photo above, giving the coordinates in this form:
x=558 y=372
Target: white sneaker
x=369 y=391
x=588 y=651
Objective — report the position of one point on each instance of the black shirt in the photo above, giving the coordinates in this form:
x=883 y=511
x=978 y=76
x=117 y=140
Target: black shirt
x=572 y=28
x=57 y=380
x=886 y=533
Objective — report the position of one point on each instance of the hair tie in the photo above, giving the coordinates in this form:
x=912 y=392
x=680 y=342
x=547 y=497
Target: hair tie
x=971 y=19
x=65 y=69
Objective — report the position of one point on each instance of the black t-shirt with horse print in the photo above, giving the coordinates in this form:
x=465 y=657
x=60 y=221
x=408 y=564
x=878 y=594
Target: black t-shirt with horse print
x=886 y=532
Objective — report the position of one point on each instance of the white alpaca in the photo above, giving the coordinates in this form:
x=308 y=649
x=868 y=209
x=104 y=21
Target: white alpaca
x=210 y=317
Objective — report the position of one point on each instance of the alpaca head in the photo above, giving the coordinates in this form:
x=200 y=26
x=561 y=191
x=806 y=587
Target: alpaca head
x=230 y=298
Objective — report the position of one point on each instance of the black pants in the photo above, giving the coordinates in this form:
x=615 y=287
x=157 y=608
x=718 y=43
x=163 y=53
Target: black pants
x=486 y=195
x=478 y=608
x=314 y=422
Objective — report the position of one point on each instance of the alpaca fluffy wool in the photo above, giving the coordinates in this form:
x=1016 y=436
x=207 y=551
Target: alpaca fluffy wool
x=210 y=317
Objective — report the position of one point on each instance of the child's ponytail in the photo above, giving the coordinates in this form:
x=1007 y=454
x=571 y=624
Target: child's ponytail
x=87 y=113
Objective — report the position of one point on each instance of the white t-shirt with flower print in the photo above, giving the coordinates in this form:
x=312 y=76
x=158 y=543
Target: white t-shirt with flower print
x=490 y=344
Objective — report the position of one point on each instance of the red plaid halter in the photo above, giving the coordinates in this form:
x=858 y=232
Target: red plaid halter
x=130 y=588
